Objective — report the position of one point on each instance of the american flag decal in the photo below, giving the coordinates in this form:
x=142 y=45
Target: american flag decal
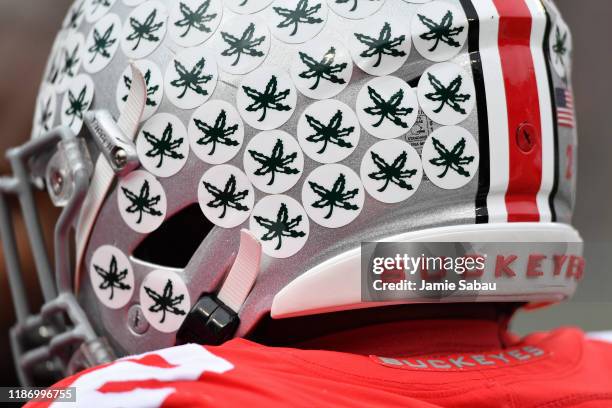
x=565 y=107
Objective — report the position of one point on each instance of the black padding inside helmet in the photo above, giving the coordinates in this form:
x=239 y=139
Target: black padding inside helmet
x=176 y=240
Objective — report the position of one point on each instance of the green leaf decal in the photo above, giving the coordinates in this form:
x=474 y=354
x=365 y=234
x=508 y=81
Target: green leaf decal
x=142 y=203
x=443 y=31
x=324 y=69
x=195 y=19
x=336 y=197
x=281 y=227
x=165 y=302
x=392 y=173
x=269 y=99
x=95 y=4
x=451 y=159
x=112 y=279
x=219 y=133
x=355 y=3
x=330 y=133
x=390 y=109
x=145 y=30
x=559 y=46
x=246 y=44
x=276 y=162
x=71 y=61
x=75 y=15
x=383 y=45
x=102 y=43
x=193 y=79
x=76 y=105
x=447 y=95
x=151 y=89
x=45 y=114
x=228 y=198
x=302 y=14
x=163 y=147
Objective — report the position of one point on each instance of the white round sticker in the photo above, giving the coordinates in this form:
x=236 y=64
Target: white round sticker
x=71 y=58
x=439 y=30
x=450 y=157
x=193 y=21
x=328 y=131
x=355 y=9
x=560 y=44
x=102 y=43
x=142 y=201
x=266 y=98
x=391 y=171
x=216 y=132
x=294 y=21
x=242 y=44
x=387 y=107
x=112 y=276
x=247 y=6
x=165 y=300
x=144 y=29
x=281 y=225
x=46 y=106
x=380 y=45
x=273 y=161
x=155 y=87
x=226 y=196
x=333 y=195
x=191 y=77
x=52 y=73
x=96 y=9
x=446 y=93
x=162 y=145
x=75 y=15
x=77 y=100
x=321 y=69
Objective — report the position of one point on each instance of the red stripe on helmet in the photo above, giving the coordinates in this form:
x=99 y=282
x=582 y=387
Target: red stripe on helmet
x=522 y=100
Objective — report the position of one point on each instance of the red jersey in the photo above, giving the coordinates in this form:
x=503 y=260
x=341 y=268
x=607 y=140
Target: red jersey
x=454 y=363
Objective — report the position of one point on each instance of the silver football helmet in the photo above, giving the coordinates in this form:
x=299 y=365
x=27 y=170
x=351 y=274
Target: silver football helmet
x=219 y=161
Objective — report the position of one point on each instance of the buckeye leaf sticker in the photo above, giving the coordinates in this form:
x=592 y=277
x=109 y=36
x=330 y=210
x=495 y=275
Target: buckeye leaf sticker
x=387 y=107
x=226 y=196
x=281 y=225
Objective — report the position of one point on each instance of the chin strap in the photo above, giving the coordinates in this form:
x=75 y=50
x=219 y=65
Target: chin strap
x=214 y=318
x=114 y=140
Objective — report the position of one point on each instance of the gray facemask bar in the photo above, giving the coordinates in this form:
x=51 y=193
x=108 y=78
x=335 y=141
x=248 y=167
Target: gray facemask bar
x=59 y=340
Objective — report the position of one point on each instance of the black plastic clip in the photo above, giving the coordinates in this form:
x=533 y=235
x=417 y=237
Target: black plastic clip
x=210 y=322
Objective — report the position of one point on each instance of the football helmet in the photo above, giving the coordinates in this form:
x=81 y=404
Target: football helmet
x=218 y=161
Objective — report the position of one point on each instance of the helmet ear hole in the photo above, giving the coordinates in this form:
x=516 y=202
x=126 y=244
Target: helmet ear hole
x=173 y=244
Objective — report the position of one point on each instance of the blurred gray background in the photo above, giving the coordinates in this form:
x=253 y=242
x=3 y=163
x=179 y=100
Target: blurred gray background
x=28 y=27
